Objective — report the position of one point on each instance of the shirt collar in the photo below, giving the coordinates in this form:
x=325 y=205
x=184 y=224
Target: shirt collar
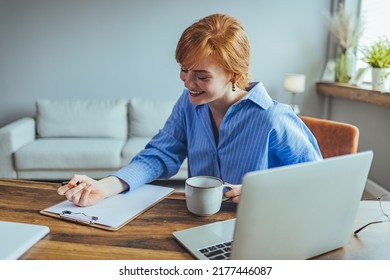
x=259 y=95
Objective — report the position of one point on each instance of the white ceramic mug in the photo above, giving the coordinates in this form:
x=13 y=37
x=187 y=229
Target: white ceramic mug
x=204 y=195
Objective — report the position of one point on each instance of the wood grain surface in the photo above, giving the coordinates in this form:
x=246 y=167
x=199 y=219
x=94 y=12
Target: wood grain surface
x=147 y=237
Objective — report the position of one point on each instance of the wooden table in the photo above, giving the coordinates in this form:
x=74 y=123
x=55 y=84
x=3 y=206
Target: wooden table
x=150 y=235
x=147 y=237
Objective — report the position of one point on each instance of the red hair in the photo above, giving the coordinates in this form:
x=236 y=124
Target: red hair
x=221 y=36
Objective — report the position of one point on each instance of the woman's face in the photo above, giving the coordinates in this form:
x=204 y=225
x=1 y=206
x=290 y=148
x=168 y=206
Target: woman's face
x=207 y=81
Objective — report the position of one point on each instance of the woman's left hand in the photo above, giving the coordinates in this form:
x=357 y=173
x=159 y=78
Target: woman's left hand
x=234 y=193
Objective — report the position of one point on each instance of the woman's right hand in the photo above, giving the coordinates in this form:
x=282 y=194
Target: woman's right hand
x=83 y=191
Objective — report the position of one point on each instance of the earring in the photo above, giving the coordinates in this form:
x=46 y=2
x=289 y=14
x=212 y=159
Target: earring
x=233 y=86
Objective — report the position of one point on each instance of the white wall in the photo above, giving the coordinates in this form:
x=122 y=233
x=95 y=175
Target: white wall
x=124 y=48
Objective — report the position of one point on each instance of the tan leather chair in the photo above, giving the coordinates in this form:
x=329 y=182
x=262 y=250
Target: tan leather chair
x=334 y=138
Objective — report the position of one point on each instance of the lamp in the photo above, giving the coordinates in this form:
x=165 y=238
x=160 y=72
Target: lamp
x=294 y=83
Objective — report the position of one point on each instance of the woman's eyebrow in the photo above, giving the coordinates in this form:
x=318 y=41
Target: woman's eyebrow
x=201 y=71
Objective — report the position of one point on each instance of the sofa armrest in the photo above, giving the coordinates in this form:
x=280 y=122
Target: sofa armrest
x=12 y=137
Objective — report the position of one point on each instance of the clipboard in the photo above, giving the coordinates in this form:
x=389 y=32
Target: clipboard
x=111 y=213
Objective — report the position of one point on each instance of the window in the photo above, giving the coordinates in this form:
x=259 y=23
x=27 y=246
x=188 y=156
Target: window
x=375 y=15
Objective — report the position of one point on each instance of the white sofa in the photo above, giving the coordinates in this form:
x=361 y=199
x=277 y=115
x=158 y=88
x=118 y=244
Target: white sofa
x=92 y=137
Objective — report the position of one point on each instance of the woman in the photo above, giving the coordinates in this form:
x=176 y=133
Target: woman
x=223 y=124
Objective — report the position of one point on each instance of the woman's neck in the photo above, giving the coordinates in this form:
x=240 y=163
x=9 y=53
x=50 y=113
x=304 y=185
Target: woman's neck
x=218 y=108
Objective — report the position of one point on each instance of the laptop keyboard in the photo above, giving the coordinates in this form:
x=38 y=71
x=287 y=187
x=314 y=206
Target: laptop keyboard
x=219 y=251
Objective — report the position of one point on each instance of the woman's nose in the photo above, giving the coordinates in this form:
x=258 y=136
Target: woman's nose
x=187 y=83
x=188 y=80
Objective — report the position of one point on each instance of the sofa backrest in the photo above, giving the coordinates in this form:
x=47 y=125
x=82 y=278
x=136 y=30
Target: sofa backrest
x=148 y=116
x=82 y=118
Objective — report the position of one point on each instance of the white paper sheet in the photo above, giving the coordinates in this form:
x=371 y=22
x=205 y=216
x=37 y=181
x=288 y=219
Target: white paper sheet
x=116 y=210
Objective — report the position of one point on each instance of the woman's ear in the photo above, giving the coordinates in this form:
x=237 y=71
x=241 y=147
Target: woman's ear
x=236 y=77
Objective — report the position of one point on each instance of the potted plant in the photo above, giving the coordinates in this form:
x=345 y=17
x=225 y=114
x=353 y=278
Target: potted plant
x=377 y=56
x=346 y=31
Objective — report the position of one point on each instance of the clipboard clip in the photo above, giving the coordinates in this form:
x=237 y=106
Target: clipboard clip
x=78 y=217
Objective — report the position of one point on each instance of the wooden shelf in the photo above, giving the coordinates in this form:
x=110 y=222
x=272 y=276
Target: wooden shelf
x=346 y=91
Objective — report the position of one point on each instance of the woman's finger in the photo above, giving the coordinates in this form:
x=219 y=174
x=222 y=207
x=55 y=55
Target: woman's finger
x=234 y=191
x=73 y=182
x=62 y=190
x=85 y=196
x=73 y=191
x=236 y=199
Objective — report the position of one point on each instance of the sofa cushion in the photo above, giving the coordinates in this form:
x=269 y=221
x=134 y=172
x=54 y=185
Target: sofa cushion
x=70 y=154
x=82 y=118
x=146 y=117
x=132 y=147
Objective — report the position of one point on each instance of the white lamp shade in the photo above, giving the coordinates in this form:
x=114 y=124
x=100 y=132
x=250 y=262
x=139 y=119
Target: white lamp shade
x=294 y=82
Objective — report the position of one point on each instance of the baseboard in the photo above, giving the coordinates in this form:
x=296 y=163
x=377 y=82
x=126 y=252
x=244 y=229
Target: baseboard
x=375 y=189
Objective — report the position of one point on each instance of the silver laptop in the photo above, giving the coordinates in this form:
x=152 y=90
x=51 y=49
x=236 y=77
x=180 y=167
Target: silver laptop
x=18 y=238
x=292 y=212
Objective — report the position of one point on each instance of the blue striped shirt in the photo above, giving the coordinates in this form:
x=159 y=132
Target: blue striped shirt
x=256 y=133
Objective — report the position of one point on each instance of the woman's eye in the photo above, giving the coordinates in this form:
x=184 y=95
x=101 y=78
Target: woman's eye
x=184 y=70
x=203 y=78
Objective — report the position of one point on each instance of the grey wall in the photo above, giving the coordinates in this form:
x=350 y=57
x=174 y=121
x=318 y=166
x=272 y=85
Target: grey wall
x=373 y=123
x=125 y=48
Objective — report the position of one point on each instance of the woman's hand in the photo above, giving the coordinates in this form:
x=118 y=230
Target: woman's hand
x=82 y=191
x=234 y=193
x=85 y=191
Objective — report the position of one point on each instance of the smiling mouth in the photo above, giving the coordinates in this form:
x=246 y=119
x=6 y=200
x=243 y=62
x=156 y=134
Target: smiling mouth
x=195 y=93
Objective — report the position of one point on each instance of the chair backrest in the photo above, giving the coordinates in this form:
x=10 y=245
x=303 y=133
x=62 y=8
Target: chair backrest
x=334 y=138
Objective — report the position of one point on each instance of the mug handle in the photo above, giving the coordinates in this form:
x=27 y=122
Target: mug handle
x=226 y=189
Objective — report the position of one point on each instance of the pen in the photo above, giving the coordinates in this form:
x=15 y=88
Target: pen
x=63 y=183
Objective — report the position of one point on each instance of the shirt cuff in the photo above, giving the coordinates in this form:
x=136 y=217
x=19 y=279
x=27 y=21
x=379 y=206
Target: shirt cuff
x=134 y=175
